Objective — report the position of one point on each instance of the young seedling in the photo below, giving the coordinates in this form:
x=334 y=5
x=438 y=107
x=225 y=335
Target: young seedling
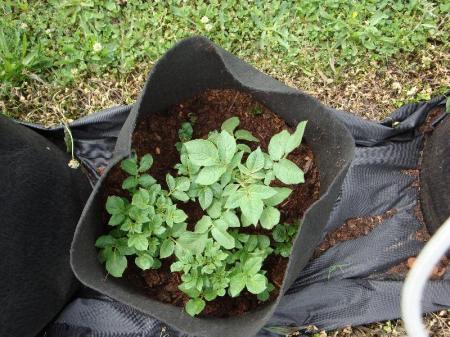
x=233 y=184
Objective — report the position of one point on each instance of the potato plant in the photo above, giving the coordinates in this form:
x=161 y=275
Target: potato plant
x=234 y=187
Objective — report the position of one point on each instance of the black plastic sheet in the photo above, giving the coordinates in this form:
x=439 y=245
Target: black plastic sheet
x=349 y=283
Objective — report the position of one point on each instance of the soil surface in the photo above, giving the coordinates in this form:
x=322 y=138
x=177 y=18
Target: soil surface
x=158 y=134
x=352 y=229
x=400 y=270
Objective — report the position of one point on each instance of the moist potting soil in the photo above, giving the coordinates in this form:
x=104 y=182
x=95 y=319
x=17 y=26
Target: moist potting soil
x=208 y=111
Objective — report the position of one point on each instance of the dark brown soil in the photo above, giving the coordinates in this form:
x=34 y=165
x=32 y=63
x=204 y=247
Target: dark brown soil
x=158 y=134
x=352 y=229
x=400 y=270
x=427 y=127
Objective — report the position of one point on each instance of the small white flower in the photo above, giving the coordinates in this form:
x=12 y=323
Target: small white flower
x=74 y=71
x=74 y=164
x=208 y=27
x=204 y=19
x=97 y=47
x=23 y=25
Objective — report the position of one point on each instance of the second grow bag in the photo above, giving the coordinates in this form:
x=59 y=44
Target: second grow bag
x=435 y=177
x=191 y=67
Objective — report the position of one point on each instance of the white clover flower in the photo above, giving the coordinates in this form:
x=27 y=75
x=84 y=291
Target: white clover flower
x=97 y=47
x=208 y=27
x=23 y=25
x=204 y=19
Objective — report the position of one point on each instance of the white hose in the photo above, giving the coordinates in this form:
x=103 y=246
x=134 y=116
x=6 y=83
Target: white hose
x=417 y=278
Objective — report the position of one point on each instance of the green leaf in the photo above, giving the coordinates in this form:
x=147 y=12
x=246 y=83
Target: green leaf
x=220 y=234
x=167 y=248
x=146 y=180
x=227 y=147
x=285 y=249
x=129 y=166
x=202 y=152
x=252 y=243
x=230 y=189
x=237 y=284
x=116 y=264
x=251 y=208
x=182 y=196
x=234 y=199
x=130 y=182
x=145 y=163
x=179 y=216
x=138 y=215
x=263 y=241
x=226 y=178
x=141 y=199
x=244 y=147
x=144 y=261
x=277 y=145
x=185 y=132
x=261 y=191
x=170 y=182
x=237 y=158
x=279 y=234
x=282 y=194
x=264 y=296
x=296 y=138
x=178 y=229
x=253 y=265
x=447 y=106
x=195 y=306
x=104 y=241
x=116 y=219
x=270 y=217
x=230 y=125
x=288 y=173
x=115 y=205
x=210 y=174
x=256 y=284
x=138 y=241
x=231 y=219
x=194 y=242
x=182 y=184
x=205 y=197
x=245 y=135
x=176 y=266
x=215 y=210
x=269 y=177
x=268 y=162
x=255 y=160
x=203 y=224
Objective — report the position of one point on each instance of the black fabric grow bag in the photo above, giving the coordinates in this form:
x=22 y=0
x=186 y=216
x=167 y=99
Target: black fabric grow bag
x=41 y=200
x=190 y=68
x=435 y=177
x=350 y=284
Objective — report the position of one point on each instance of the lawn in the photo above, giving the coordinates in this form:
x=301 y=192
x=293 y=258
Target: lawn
x=368 y=57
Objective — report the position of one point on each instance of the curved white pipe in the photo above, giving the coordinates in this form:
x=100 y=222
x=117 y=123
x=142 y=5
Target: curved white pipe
x=417 y=278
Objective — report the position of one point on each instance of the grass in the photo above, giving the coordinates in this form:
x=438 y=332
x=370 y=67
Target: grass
x=73 y=57
x=79 y=56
